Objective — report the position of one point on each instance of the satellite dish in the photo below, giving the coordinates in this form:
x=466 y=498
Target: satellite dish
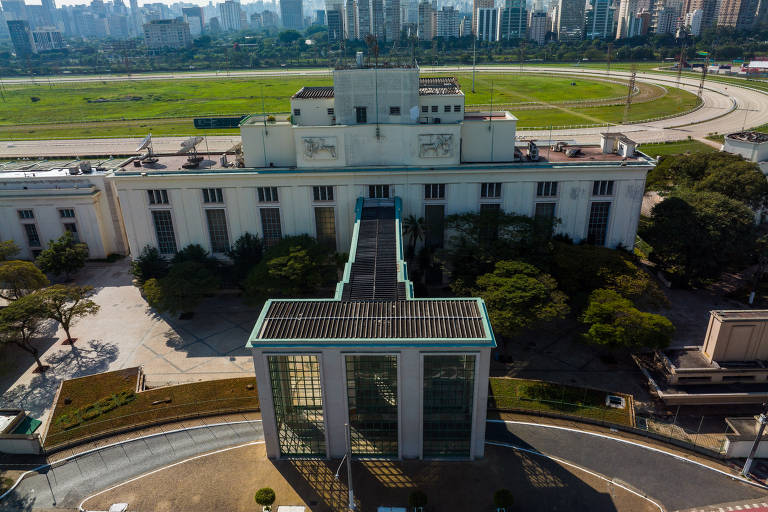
x=190 y=143
x=146 y=142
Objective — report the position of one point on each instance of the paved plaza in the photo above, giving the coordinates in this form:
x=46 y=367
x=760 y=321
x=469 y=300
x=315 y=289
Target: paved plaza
x=126 y=333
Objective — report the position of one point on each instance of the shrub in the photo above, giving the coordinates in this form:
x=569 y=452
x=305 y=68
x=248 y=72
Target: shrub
x=182 y=289
x=63 y=256
x=149 y=265
x=265 y=496
x=245 y=253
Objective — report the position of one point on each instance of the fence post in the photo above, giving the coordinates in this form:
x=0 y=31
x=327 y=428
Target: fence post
x=696 y=438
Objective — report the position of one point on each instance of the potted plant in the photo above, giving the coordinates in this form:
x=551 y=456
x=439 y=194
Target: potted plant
x=417 y=500
x=503 y=500
x=265 y=497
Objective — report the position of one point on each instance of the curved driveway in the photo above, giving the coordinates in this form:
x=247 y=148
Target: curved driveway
x=675 y=482
x=727 y=108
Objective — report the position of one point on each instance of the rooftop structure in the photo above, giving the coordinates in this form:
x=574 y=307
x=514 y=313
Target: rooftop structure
x=753 y=146
x=412 y=380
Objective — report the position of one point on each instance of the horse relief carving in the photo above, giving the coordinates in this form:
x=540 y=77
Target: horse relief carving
x=436 y=145
x=320 y=148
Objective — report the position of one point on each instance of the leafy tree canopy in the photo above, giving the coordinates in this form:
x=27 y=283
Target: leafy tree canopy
x=63 y=256
x=149 y=265
x=614 y=321
x=21 y=321
x=245 y=253
x=65 y=304
x=19 y=278
x=182 y=289
x=518 y=295
x=8 y=250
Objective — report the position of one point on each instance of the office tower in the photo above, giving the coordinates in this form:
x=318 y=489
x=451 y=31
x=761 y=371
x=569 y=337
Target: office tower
x=465 y=26
x=21 y=37
x=738 y=14
x=335 y=17
x=479 y=4
x=570 y=20
x=514 y=20
x=627 y=11
x=14 y=10
x=377 y=19
x=426 y=21
x=350 y=19
x=488 y=24
x=363 y=18
x=167 y=34
x=392 y=20
x=693 y=21
x=447 y=22
x=50 y=15
x=708 y=10
x=537 y=26
x=291 y=14
x=320 y=16
x=45 y=40
x=229 y=16
x=196 y=19
x=600 y=19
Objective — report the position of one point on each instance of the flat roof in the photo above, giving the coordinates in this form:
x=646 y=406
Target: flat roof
x=755 y=137
x=741 y=314
x=420 y=321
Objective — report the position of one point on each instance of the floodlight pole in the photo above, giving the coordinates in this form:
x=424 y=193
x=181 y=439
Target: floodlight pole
x=763 y=419
x=474 y=58
x=349 y=467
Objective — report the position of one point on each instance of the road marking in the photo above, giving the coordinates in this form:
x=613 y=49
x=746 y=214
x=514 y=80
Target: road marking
x=633 y=443
x=565 y=462
x=87 y=452
x=251 y=443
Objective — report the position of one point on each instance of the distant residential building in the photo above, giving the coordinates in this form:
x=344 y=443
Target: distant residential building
x=513 y=20
x=196 y=19
x=160 y=34
x=47 y=39
x=270 y=19
x=392 y=20
x=600 y=20
x=570 y=20
x=488 y=24
x=363 y=18
x=465 y=26
x=319 y=17
x=14 y=10
x=377 y=19
x=738 y=14
x=708 y=10
x=447 y=22
x=118 y=26
x=229 y=16
x=693 y=20
x=537 y=26
x=335 y=25
x=21 y=37
x=214 y=25
x=426 y=21
x=479 y=4
x=350 y=19
x=627 y=10
x=291 y=14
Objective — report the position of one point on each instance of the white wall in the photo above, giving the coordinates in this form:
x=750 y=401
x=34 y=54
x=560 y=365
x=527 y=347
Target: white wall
x=314 y=111
x=749 y=150
x=268 y=146
x=488 y=141
x=386 y=87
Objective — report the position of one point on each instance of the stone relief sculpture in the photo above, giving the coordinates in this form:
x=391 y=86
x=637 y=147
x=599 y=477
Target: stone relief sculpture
x=436 y=145
x=320 y=148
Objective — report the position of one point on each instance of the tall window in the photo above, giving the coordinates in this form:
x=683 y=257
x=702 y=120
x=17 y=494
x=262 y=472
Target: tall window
x=361 y=115
x=325 y=223
x=598 y=222
x=33 y=239
x=434 y=217
x=372 y=400
x=448 y=398
x=166 y=239
x=322 y=193
x=72 y=228
x=378 y=191
x=602 y=188
x=270 y=226
x=157 y=196
x=545 y=211
x=213 y=195
x=434 y=191
x=217 y=229
x=490 y=190
x=267 y=194
x=546 y=189
x=67 y=213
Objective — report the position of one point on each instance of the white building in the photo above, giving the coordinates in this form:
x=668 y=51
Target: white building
x=229 y=16
x=447 y=22
x=488 y=24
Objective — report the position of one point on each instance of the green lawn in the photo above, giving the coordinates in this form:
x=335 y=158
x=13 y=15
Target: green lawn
x=161 y=404
x=537 y=396
x=676 y=148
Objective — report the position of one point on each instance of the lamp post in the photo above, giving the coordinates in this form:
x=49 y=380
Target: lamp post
x=763 y=419
x=348 y=457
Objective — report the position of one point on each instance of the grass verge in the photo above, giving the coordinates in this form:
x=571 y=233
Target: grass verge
x=507 y=394
x=85 y=407
x=676 y=148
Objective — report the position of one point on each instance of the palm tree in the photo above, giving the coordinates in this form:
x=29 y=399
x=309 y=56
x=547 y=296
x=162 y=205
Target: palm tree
x=414 y=229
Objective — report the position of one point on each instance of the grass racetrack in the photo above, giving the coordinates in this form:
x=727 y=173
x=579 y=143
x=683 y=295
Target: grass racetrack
x=166 y=107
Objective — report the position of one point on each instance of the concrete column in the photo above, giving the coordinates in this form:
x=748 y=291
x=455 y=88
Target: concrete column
x=268 y=421
x=335 y=412
x=481 y=404
x=410 y=389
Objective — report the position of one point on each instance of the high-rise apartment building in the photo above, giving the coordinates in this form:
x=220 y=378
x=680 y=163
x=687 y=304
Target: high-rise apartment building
x=378 y=27
x=514 y=20
x=229 y=16
x=291 y=14
x=350 y=19
x=479 y=4
x=161 y=34
x=447 y=22
x=392 y=20
x=708 y=10
x=196 y=19
x=738 y=14
x=537 y=26
x=627 y=11
x=363 y=18
x=426 y=21
x=21 y=37
x=14 y=10
x=600 y=20
x=693 y=21
x=570 y=20
x=488 y=24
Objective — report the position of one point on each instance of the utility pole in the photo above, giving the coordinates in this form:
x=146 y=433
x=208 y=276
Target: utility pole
x=703 y=75
x=762 y=419
x=680 y=64
x=630 y=91
x=474 y=60
x=349 y=467
x=610 y=52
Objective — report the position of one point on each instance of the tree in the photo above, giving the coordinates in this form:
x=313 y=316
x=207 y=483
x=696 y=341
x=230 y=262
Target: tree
x=63 y=256
x=21 y=321
x=245 y=253
x=414 y=229
x=66 y=304
x=698 y=235
x=503 y=498
x=182 y=289
x=614 y=321
x=8 y=250
x=19 y=278
x=265 y=497
x=149 y=265
x=518 y=295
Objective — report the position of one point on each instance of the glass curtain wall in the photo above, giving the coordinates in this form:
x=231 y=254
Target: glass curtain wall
x=298 y=402
x=372 y=400
x=449 y=382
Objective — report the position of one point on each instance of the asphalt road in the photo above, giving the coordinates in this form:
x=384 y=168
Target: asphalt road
x=727 y=108
x=676 y=483
x=67 y=484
